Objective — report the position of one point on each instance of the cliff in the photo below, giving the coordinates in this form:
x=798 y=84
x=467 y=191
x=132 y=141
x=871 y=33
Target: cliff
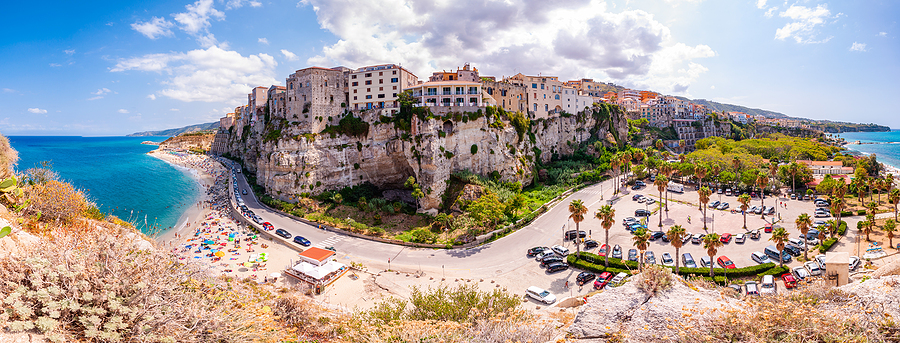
x=188 y=142
x=178 y=131
x=288 y=162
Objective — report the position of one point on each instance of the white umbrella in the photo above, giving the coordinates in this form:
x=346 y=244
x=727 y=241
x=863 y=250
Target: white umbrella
x=274 y=275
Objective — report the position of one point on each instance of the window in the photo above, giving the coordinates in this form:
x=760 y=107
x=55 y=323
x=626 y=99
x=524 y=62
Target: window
x=446 y=91
x=368 y=89
x=460 y=90
x=557 y=97
x=542 y=86
x=395 y=72
x=381 y=96
x=534 y=85
x=473 y=90
x=546 y=107
x=432 y=91
x=535 y=107
x=490 y=91
x=368 y=82
x=545 y=96
x=368 y=96
x=380 y=80
x=292 y=86
x=380 y=89
x=354 y=91
x=503 y=92
x=395 y=87
x=394 y=80
x=354 y=97
x=355 y=83
x=368 y=74
x=395 y=95
x=380 y=73
x=326 y=83
x=473 y=100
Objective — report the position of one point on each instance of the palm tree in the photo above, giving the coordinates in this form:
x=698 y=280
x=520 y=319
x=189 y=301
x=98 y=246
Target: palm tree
x=803 y=223
x=761 y=182
x=700 y=173
x=704 y=199
x=779 y=235
x=712 y=242
x=736 y=164
x=640 y=238
x=714 y=170
x=577 y=211
x=676 y=236
x=614 y=165
x=869 y=223
x=744 y=199
x=661 y=182
x=606 y=215
x=794 y=168
x=889 y=226
x=872 y=207
x=626 y=161
x=894 y=199
x=669 y=170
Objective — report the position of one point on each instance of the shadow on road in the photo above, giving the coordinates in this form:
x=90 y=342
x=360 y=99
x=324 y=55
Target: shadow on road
x=463 y=253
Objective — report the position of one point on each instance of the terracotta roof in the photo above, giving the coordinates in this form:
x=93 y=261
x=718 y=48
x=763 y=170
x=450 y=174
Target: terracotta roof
x=822 y=163
x=317 y=254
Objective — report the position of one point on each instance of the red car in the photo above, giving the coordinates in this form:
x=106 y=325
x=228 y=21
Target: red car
x=726 y=237
x=768 y=228
x=602 y=279
x=725 y=262
x=268 y=226
x=602 y=251
x=789 y=280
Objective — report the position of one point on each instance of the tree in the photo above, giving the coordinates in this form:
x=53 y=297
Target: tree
x=515 y=204
x=704 y=193
x=614 y=165
x=744 y=199
x=795 y=172
x=486 y=209
x=337 y=198
x=890 y=226
x=700 y=173
x=640 y=239
x=712 y=242
x=803 y=223
x=607 y=216
x=576 y=213
x=443 y=220
x=661 y=182
x=869 y=223
x=626 y=161
x=676 y=236
x=894 y=199
x=416 y=191
x=779 y=235
x=761 y=182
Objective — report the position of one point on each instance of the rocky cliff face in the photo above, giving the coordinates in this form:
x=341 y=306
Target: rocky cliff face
x=289 y=162
x=188 y=142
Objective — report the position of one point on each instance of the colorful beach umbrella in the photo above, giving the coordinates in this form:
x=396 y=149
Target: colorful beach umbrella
x=219 y=254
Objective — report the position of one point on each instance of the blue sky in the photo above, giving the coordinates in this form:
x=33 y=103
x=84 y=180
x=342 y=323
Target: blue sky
x=116 y=67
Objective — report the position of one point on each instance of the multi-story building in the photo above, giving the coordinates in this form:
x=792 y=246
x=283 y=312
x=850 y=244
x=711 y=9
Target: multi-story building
x=256 y=101
x=227 y=121
x=316 y=97
x=629 y=94
x=276 y=101
x=467 y=73
x=588 y=87
x=377 y=86
x=647 y=95
x=573 y=101
x=739 y=117
x=690 y=129
x=511 y=97
x=827 y=167
x=542 y=93
x=448 y=93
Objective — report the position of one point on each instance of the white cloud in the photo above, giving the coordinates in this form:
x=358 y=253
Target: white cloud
x=712 y=87
x=151 y=97
x=37 y=110
x=211 y=74
x=101 y=91
x=289 y=55
x=8 y=90
x=803 y=27
x=882 y=34
x=761 y=4
x=263 y=41
x=771 y=11
x=174 y=109
x=155 y=28
x=94 y=98
x=69 y=52
x=860 y=47
x=196 y=20
x=55 y=65
x=123 y=111
x=232 y=4
x=569 y=39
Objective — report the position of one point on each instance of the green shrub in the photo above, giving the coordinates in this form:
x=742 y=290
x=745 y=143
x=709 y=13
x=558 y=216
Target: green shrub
x=594 y=259
x=861 y=212
x=846 y=213
x=350 y=126
x=474 y=149
x=461 y=304
x=776 y=271
x=825 y=245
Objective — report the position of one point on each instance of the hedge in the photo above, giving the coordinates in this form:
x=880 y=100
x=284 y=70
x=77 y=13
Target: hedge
x=594 y=261
x=861 y=212
x=824 y=246
x=596 y=268
x=776 y=271
x=846 y=213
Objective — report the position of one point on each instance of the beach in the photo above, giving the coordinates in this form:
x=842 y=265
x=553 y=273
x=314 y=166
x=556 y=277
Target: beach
x=208 y=234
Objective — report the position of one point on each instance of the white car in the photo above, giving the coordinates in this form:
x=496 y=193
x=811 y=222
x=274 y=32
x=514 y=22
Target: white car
x=544 y=254
x=560 y=250
x=797 y=243
x=759 y=257
x=821 y=260
x=740 y=238
x=667 y=260
x=813 y=268
x=800 y=272
x=768 y=285
x=540 y=294
x=854 y=262
x=616 y=280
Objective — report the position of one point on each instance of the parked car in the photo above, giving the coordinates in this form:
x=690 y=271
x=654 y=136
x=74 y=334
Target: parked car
x=722 y=206
x=536 y=250
x=751 y=288
x=797 y=242
x=617 y=251
x=768 y=285
x=544 y=254
x=740 y=238
x=789 y=280
x=792 y=250
x=688 y=261
x=753 y=209
x=705 y=262
x=725 y=238
x=770 y=211
x=268 y=226
x=649 y=201
x=540 y=294
x=557 y=267
x=714 y=204
x=768 y=228
x=657 y=235
x=728 y=192
x=854 y=262
x=697 y=238
x=820 y=259
x=584 y=277
x=629 y=221
x=632 y=255
x=777 y=255
x=590 y=244
x=725 y=262
x=641 y=213
x=636 y=197
x=737 y=288
x=301 y=240
x=547 y=261
x=754 y=234
x=603 y=249
x=667 y=260
x=561 y=250
x=602 y=280
x=793 y=196
x=759 y=257
x=720 y=191
x=617 y=279
x=283 y=234
x=571 y=235
x=800 y=272
x=649 y=257
x=813 y=268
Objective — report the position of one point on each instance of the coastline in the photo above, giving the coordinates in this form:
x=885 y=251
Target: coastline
x=192 y=213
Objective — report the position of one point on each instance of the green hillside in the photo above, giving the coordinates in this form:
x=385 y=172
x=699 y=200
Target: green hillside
x=178 y=131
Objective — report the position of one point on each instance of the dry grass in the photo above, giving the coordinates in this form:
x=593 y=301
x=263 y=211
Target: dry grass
x=56 y=201
x=8 y=158
x=655 y=278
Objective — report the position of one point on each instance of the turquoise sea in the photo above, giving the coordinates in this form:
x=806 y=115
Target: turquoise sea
x=887 y=150
x=117 y=174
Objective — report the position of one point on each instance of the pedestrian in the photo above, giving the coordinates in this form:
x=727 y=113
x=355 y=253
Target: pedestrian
x=567 y=284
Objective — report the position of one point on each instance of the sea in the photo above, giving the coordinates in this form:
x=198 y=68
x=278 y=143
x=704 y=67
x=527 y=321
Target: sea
x=117 y=175
x=886 y=145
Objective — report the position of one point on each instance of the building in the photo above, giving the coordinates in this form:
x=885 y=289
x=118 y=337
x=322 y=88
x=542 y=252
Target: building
x=690 y=129
x=275 y=98
x=377 y=86
x=543 y=94
x=827 y=167
x=739 y=117
x=467 y=73
x=588 y=87
x=227 y=121
x=256 y=102
x=448 y=93
x=316 y=97
x=511 y=97
x=315 y=268
x=647 y=95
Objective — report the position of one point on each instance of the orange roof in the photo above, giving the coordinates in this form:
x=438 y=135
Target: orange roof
x=317 y=254
x=821 y=163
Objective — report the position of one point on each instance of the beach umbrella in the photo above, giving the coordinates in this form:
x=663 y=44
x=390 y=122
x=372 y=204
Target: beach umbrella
x=219 y=254
x=209 y=241
x=275 y=275
x=214 y=250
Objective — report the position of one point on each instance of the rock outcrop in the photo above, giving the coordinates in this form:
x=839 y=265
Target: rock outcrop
x=288 y=162
x=188 y=141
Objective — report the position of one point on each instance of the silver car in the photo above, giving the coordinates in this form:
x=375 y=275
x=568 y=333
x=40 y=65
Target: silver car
x=813 y=268
x=768 y=285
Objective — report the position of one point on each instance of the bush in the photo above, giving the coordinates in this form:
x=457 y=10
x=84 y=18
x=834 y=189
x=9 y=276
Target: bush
x=825 y=245
x=590 y=258
x=846 y=213
x=56 y=200
x=776 y=271
x=861 y=212
x=465 y=303
x=474 y=149
x=350 y=126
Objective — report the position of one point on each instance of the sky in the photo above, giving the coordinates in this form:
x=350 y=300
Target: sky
x=118 y=67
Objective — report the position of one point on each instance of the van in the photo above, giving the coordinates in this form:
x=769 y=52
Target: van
x=688 y=260
x=540 y=294
x=774 y=254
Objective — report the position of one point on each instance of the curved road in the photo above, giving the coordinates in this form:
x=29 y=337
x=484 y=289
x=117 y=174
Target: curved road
x=486 y=261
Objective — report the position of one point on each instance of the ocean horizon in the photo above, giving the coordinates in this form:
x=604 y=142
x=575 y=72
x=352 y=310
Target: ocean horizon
x=116 y=174
x=886 y=147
